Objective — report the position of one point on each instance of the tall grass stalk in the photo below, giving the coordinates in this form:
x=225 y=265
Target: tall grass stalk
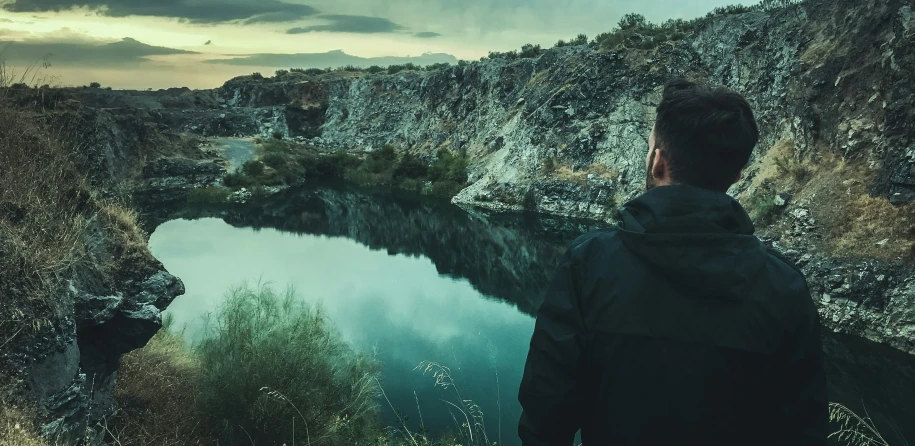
x=269 y=358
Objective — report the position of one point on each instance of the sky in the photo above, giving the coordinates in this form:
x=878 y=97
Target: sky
x=139 y=44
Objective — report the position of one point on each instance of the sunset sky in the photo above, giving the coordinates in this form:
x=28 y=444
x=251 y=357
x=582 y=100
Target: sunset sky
x=202 y=43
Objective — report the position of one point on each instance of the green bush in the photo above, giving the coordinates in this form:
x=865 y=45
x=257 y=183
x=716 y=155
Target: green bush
x=449 y=167
x=375 y=69
x=381 y=160
x=276 y=372
x=274 y=160
x=394 y=69
x=530 y=51
x=411 y=167
x=209 y=195
x=253 y=168
x=236 y=180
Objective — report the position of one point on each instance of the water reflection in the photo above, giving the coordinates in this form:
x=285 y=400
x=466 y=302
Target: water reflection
x=396 y=306
x=420 y=280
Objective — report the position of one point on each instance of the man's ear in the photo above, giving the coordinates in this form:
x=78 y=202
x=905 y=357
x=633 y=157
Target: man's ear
x=661 y=167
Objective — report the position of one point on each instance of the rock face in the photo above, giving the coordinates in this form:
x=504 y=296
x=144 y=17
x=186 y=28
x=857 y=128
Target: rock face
x=68 y=363
x=566 y=132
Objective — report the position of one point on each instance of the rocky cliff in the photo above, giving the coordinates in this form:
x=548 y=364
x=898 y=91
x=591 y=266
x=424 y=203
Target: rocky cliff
x=565 y=133
x=78 y=284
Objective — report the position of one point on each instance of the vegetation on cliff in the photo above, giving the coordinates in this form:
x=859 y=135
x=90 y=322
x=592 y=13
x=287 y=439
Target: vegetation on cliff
x=283 y=163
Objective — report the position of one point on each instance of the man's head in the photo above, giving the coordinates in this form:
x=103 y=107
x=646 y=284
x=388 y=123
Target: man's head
x=702 y=136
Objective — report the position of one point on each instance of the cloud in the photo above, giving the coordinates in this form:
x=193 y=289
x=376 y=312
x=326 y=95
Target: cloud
x=329 y=59
x=426 y=35
x=350 y=24
x=194 y=11
x=85 y=53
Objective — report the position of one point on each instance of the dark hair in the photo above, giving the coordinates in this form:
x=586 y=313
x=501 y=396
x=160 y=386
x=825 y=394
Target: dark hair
x=707 y=134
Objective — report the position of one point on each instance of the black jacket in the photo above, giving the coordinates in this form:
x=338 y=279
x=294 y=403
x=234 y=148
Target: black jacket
x=678 y=327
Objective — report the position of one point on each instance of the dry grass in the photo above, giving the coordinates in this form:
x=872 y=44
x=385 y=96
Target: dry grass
x=16 y=427
x=157 y=393
x=852 y=223
x=43 y=201
x=853 y=429
x=600 y=170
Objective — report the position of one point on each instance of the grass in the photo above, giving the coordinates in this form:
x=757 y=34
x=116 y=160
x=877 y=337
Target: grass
x=270 y=370
x=853 y=429
x=849 y=220
x=157 y=391
x=273 y=363
x=17 y=426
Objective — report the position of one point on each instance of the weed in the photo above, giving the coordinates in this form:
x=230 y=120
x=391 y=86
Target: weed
x=790 y=168
x=253 y=168
x=854 y=430
x=269 y=359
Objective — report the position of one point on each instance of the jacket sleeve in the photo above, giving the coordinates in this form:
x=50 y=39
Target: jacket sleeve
x=551 y=383
x=805 y=403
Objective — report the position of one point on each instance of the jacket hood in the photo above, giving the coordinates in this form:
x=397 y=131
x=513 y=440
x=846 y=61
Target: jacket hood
x=701 y=240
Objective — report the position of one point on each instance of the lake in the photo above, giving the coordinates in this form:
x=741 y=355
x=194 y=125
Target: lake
x=410 y=280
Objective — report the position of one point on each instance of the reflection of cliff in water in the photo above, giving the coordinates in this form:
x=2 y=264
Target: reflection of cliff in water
x=512 y=257
x=507 y=257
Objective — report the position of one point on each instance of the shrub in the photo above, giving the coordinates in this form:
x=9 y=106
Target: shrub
x=208 y=195
x=463 y=63
x=411 y=166
x=278 y=134
x=762 y=207
x=375 y=69
x=394 y=69
x=632 y=21
x=331 y=166
x=281 y=73
x=95 y=85
x=449 y=167
x=314 y=71
x=274 y=160
x=530 y=51
x=788 y=167
x=438 y=66
x=253 y=168
x=381 y=160
x=270 y=359
x=256 y=76
x=237 y=179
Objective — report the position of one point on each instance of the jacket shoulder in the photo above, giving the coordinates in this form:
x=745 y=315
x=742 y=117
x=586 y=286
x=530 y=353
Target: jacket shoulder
x=794 y=286
x=599 y=237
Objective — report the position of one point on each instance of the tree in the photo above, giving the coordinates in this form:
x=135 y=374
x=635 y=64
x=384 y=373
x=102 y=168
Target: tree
x=632 y=21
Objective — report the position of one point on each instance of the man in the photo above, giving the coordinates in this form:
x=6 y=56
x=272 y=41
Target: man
x=678 y=326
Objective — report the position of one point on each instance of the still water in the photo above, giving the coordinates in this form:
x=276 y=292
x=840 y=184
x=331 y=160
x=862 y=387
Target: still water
x=411 y=280
x=396 y=307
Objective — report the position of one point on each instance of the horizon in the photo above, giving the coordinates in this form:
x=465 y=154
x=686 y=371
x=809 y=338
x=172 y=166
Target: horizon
x=127 y=44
